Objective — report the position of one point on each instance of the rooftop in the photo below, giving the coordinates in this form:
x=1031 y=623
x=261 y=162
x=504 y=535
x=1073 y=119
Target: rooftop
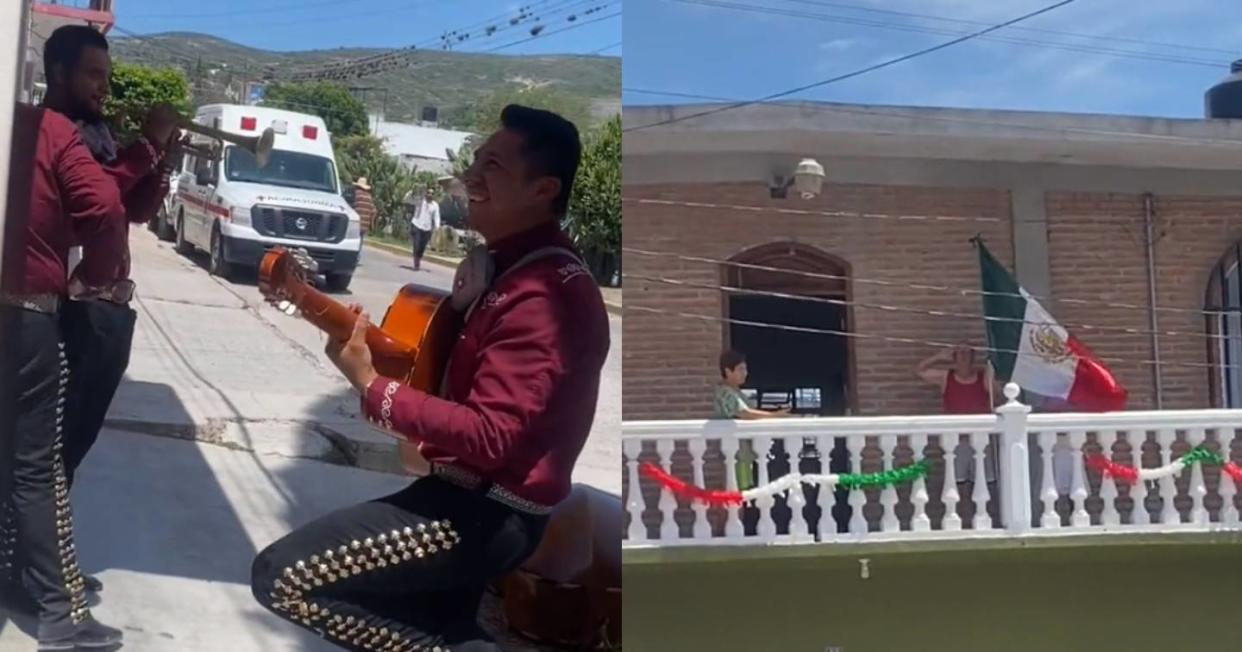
x=933 y=132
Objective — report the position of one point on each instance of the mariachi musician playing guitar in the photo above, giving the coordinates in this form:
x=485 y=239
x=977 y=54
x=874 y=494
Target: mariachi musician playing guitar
x=501 y=430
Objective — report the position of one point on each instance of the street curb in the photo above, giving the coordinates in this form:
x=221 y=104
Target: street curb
x=614 y=308
x=344 y=451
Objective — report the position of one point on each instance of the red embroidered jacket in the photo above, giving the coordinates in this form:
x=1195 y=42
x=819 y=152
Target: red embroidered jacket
x=143 y=187
x=523 y=380
x=69 y=193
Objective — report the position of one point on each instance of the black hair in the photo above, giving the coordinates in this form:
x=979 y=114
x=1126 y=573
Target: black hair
x=64 y=48
x=729 y=360
x=551 y=143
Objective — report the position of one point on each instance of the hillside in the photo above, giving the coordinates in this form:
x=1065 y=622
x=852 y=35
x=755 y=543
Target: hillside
x=451 y=81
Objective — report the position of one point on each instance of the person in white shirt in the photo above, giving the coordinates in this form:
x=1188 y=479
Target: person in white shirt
x=424 y=220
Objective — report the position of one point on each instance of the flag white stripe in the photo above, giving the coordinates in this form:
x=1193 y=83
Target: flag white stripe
x=1038 y=373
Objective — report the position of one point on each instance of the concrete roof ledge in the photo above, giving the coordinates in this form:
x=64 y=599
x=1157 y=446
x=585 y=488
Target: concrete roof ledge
x=819 y=128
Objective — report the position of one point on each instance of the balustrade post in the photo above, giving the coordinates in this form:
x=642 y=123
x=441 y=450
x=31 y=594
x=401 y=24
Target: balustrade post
x=1015 y=470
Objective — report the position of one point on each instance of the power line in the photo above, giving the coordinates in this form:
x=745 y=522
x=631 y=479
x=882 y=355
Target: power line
x=606 y=47
x=1016 y=28
x=805 y=106
x=486 y=30
x=555 y=31
x=731 y=289
x=906 y=27
x=861 y=71
x=803 y=212
x=920 y=286
x=908 y=340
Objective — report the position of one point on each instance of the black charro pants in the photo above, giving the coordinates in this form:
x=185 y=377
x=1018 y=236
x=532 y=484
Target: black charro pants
x=98 y=338
x=38 y=522
x=402 y=573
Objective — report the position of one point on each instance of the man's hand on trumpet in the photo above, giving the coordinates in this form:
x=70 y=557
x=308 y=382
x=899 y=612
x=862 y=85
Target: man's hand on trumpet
x=161 y=124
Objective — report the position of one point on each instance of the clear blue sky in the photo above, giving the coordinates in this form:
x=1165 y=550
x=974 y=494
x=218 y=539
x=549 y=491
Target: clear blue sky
x=318 y=24
x=708 y=50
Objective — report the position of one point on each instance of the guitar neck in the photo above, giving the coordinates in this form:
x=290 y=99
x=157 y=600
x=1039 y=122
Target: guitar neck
x=337 y=320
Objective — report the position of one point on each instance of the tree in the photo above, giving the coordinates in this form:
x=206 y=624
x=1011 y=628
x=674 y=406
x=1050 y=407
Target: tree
x=344 y=114
x=485 y=118
x=364 y=156
x=137 y=88
x=594 y=218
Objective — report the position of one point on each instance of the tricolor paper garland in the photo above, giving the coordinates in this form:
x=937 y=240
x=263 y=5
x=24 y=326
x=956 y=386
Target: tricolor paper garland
x=1131 y=475
x=783 y=484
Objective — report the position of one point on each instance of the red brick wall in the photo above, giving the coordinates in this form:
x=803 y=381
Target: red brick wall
x=1097 y=252
x=669 y=362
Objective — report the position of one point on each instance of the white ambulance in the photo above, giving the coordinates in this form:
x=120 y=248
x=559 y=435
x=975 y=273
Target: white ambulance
x=236 y=210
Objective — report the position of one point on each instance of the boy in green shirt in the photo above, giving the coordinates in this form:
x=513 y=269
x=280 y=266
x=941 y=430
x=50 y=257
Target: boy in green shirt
x=730 y=403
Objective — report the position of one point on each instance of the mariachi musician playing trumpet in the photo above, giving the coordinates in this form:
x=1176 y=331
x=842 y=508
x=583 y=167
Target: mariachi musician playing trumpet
x=408 y=571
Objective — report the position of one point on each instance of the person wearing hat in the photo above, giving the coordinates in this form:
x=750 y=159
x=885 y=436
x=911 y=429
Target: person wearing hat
x=363 y=204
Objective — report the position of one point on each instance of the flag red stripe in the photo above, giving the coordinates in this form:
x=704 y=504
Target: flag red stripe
x=1095 y=389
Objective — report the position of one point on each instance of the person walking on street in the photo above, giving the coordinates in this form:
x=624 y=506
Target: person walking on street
x=424 y=221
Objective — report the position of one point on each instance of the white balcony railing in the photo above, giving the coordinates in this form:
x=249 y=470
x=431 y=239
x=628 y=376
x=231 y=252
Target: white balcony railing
x=1008 y=474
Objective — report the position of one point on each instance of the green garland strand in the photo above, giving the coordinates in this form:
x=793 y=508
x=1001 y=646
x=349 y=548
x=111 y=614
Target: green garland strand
x=884 y=478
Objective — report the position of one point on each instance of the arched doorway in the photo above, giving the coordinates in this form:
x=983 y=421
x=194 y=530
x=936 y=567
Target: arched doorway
x=1224 y=322
x=811 y=372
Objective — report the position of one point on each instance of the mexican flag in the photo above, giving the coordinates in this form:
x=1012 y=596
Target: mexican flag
x=1029 y=348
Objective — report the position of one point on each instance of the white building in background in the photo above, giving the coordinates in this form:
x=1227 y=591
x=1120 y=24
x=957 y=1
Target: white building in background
x=419 y=147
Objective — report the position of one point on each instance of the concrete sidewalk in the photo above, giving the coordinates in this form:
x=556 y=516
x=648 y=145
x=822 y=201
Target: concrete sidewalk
x=172 y=527
x=213 y=362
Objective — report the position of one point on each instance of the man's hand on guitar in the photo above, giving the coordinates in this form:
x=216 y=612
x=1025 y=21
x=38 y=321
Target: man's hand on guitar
x=352 y=356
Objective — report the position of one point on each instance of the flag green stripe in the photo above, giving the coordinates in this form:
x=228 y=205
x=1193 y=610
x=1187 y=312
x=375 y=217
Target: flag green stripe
x=1004 y=337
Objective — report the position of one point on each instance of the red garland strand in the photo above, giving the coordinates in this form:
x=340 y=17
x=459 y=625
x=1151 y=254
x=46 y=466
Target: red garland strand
x=1126 y=474
x=686 y=490
x=1234 y=471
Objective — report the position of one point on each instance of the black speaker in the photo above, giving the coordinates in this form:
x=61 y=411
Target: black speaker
x=430 y=114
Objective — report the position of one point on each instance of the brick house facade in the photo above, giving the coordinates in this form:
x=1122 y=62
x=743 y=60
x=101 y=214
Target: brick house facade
x=1064 y=200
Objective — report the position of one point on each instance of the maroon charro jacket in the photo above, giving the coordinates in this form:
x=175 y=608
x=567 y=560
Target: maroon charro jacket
x=523 y=379
x=143 y=186
x=69 y=194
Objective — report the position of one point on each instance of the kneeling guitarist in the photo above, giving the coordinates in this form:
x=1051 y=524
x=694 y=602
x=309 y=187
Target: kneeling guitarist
x=408 y=571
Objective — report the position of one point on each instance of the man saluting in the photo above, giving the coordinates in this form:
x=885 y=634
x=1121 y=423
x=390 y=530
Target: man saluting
x=408 y=571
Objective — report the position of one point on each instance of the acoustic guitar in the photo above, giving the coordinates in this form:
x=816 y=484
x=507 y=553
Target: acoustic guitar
x=413 y=342
x=569 y=591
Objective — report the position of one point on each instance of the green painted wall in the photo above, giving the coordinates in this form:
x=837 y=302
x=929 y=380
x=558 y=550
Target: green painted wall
x=1101 y=598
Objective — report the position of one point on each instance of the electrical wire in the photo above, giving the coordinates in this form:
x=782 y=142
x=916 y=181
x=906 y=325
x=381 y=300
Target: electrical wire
x=606 y=47
x=1015 y=28
x=860 y=71
x=803 y=212
x=909 y=340
x=555 y=31
x=923 y=286
x=730 y=289
x=897 y=112
x=941 y=31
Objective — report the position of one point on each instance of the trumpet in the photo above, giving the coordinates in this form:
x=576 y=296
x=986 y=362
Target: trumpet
x=260 y=146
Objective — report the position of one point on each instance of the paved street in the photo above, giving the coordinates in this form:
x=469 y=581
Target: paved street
x=171 y=525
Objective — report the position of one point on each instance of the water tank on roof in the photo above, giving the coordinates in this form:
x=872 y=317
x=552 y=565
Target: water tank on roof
x=1224 y=100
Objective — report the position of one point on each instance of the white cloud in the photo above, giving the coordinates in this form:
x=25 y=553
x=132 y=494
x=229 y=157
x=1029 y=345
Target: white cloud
x=838 y=44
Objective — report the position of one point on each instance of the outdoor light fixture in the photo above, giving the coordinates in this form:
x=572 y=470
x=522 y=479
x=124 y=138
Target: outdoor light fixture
x=808 y=178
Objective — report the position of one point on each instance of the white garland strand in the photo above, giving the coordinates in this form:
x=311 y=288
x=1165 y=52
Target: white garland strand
x=1171 y=469
x=787 y=482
